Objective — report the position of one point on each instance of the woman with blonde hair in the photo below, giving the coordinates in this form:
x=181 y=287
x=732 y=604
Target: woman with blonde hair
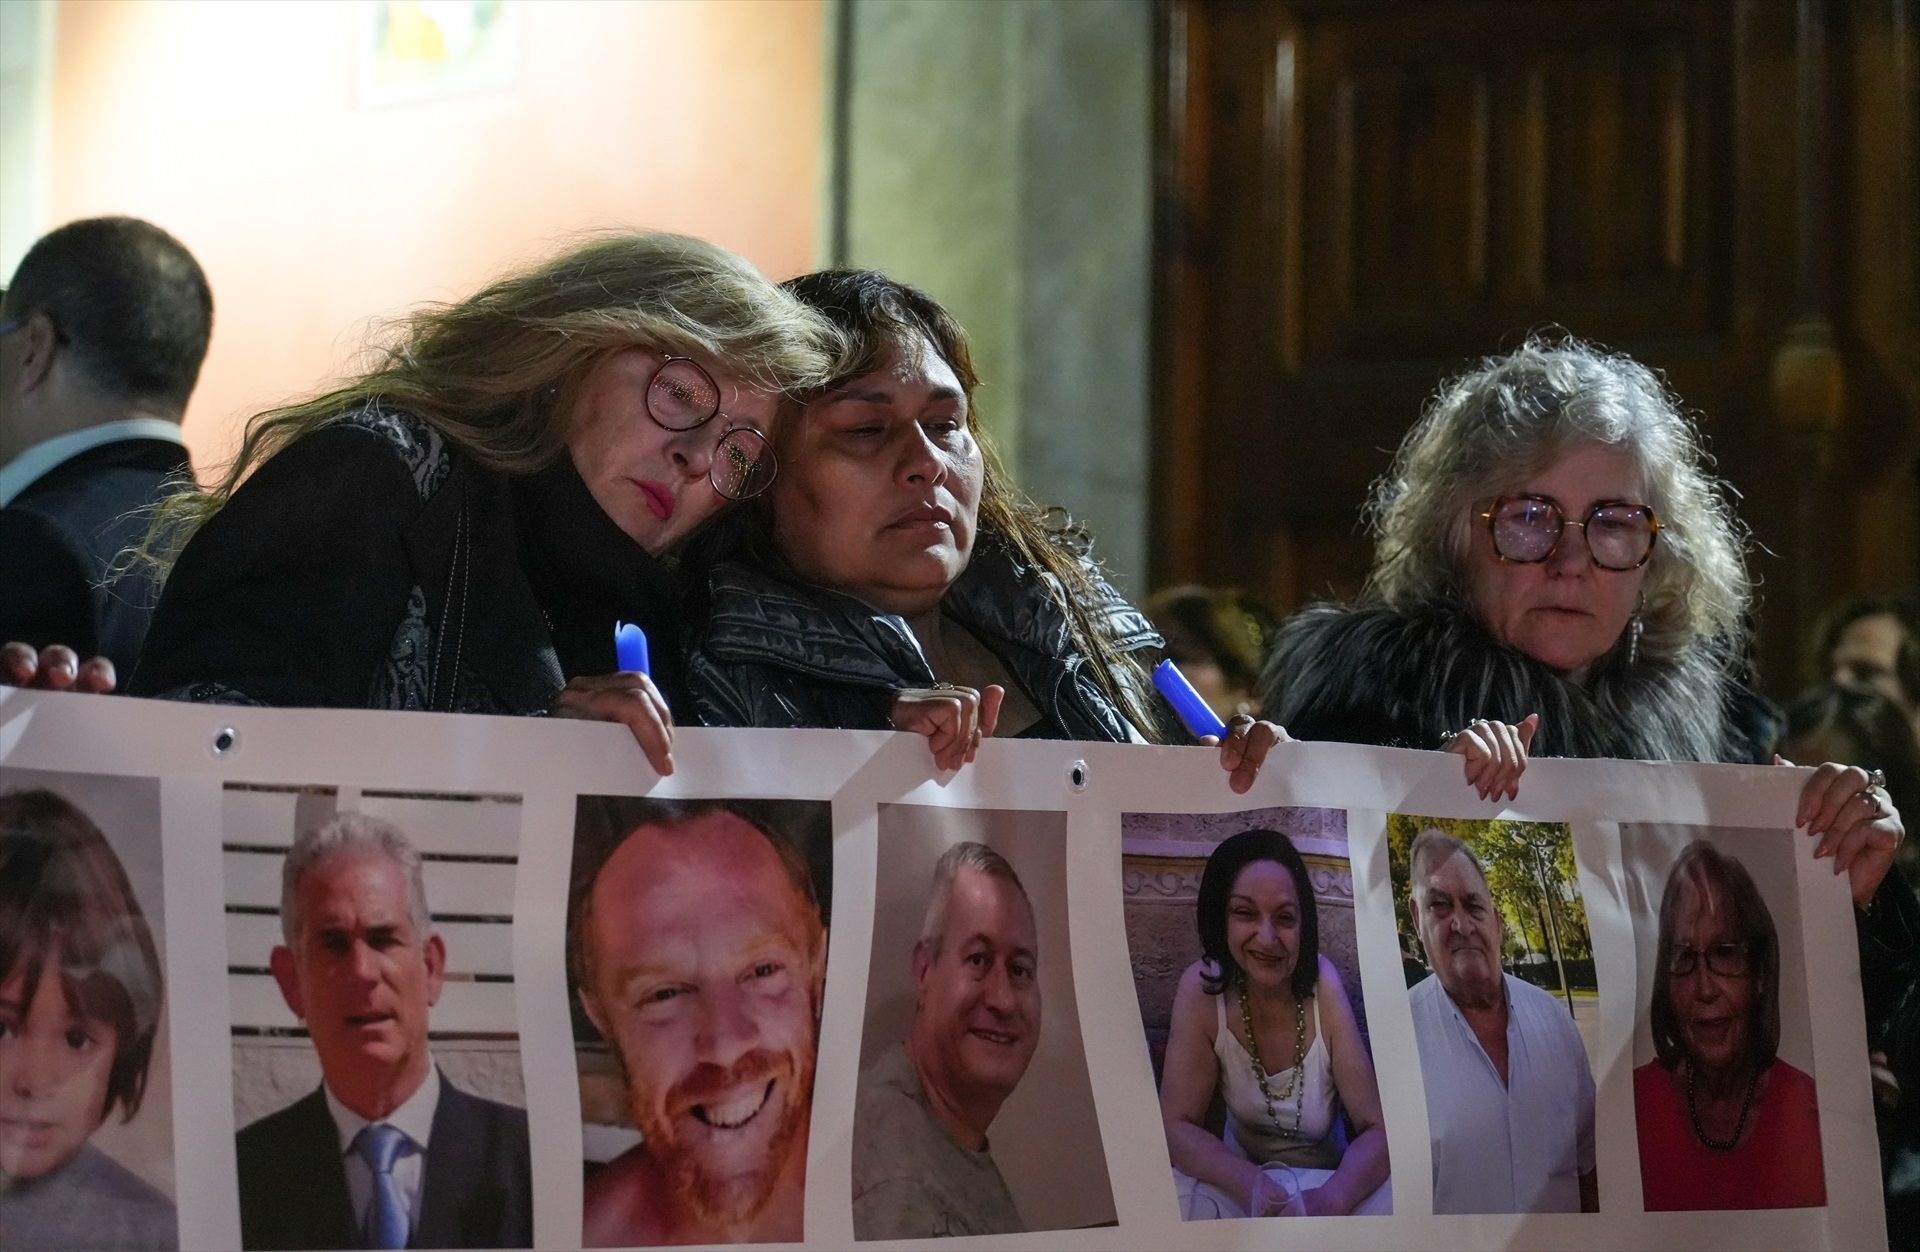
x=461 y=527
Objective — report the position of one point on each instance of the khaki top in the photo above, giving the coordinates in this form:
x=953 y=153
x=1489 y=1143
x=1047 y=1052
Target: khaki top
x=910 y=1179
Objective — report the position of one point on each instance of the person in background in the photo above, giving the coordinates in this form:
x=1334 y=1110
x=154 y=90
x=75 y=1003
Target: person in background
x=460 y=527
x=1858 y=724
x=1218 y=638
x=1872 y=642
x=102 y=333
x=1836 y=722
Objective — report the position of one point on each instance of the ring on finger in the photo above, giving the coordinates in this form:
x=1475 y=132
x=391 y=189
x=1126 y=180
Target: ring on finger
x=1876 y=780
x=1872 y=798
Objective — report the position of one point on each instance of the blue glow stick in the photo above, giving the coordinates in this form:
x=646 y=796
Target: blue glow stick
x=1200 y=719
x=630 y=648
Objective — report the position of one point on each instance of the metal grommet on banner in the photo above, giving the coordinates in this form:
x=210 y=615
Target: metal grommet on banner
x=1077 y=776
x=225 y=741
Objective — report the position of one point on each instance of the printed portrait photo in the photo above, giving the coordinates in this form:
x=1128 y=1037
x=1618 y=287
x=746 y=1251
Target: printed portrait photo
x=975 y=1114
x=1723 y=1093
x=1506 y=1009
x=1240 y=928
x=86 y=1089
x=377 y=1088
x=696 y=961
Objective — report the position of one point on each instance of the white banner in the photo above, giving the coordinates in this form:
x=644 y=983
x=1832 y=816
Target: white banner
x=742 y=1017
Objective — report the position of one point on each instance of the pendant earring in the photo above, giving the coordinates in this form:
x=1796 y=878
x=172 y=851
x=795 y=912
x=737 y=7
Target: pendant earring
x=1635 y=628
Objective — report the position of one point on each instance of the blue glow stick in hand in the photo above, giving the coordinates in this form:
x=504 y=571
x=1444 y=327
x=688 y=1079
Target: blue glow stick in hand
x=630 y=648
x=1200 y=719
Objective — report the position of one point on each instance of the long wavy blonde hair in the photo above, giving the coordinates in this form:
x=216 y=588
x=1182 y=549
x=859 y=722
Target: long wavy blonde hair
x=496 y=373
x=1487 y=430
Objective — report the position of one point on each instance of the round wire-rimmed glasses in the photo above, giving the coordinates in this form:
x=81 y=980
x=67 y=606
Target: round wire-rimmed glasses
x=682 y=396
x=1527 y=530
x=1729 y=960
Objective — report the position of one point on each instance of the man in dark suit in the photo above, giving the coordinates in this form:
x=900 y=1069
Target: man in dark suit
x=102 y=332
x=387 y=1153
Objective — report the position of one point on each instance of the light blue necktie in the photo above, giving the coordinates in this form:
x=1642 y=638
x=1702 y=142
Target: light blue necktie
x=380 y=1145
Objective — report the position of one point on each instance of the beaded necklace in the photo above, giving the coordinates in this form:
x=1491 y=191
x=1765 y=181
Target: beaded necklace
x=1299 y=1057
x=1739 y=1127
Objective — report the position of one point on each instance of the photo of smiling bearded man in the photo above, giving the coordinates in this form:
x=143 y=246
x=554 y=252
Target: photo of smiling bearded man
x=697 y=950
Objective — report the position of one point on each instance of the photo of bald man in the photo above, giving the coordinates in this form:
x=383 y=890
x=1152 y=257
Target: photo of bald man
x=697 y=957
x=974 y=1110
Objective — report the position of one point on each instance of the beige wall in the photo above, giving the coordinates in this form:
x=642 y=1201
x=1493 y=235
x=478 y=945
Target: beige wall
x=236 y=127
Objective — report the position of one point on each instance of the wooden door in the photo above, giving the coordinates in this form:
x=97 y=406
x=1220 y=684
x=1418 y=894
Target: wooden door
x=1358 y=197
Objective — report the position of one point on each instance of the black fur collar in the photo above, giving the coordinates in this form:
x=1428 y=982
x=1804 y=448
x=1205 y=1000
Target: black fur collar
x=1405 y=678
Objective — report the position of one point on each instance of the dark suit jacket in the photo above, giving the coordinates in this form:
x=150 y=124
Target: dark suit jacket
x=476 y=1191
x=59 y=536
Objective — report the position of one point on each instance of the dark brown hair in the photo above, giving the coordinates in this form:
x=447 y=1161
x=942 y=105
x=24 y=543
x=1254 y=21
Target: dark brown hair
x=877 y=313
x=65 y=897
x=1224 y=625
x=131 y=301
x=1902 y=606
x=1234 y=854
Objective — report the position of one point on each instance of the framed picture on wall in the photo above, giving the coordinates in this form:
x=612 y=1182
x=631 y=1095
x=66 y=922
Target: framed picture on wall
x=415 y=50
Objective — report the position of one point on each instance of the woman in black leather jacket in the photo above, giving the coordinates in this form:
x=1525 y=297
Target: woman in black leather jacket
x=893 y=577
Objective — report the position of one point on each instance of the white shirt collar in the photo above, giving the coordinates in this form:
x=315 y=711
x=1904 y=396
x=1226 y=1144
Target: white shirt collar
x=24 y=470
x=414 y=1117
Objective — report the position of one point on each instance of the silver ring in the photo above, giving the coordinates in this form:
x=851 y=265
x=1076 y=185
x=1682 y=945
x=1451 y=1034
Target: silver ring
x=1876 y=779
x=1872 y=798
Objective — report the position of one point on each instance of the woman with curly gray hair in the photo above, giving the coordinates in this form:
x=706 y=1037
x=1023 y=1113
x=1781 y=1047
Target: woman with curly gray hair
x=1551 y=544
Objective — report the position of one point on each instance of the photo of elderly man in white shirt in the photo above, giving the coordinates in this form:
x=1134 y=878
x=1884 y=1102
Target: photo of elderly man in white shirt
x=1509 y=1087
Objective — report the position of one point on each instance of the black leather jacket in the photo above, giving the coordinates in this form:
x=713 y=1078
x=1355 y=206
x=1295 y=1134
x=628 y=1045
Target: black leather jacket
x=777 y=652
x=370 y=564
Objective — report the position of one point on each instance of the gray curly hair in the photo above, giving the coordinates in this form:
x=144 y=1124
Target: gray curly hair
x=1487 y=430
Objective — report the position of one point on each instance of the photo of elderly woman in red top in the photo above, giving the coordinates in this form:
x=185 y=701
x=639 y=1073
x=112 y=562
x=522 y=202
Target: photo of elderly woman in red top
x=1724 y=1122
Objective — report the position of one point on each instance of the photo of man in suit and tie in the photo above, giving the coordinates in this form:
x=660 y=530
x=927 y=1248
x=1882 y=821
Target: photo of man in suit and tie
x=387 y=1152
